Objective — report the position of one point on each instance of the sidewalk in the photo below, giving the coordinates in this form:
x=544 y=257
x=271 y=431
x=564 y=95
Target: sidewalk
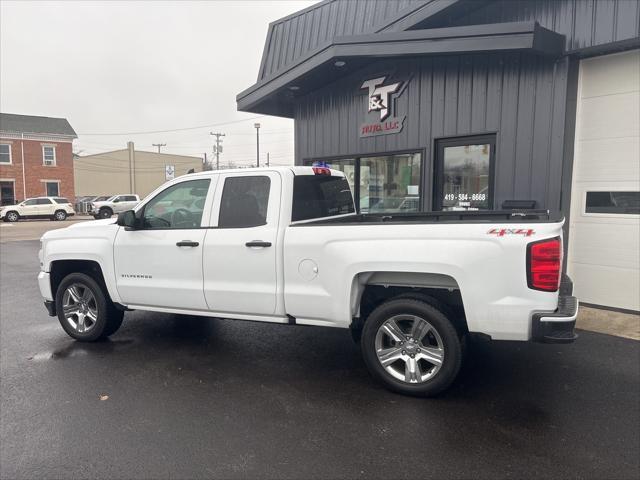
x=612 y=323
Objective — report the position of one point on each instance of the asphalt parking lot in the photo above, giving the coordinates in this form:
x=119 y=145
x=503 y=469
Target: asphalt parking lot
x=186 y=397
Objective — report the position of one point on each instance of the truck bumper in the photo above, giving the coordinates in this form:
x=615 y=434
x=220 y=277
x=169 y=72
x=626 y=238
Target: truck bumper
x=44 y=283
x=558 y=326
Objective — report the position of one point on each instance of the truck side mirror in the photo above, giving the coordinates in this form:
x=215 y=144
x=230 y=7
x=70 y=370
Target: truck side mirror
x=127 y=219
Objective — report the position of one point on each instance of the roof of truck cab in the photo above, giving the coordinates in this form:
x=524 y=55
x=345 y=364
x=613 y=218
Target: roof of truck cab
x=294 y=169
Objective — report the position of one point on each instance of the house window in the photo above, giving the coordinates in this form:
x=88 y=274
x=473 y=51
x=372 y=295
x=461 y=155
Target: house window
x=48 y=155
x=464 y=173
x=385 y=184
x=7 y=192
x=620 y=203
x=52 y=189
x=5 y=153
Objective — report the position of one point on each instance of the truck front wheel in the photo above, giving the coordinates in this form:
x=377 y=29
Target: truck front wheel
x=411 y=347
x=84 y=309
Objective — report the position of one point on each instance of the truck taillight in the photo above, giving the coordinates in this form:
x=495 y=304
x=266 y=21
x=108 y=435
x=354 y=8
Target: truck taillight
x=544 y=264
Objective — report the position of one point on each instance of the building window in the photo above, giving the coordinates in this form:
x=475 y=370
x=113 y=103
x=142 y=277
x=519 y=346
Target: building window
x=620 y=203
x=390 y=183
x=5 y=154
x=48 y=155
x=464 y=173
x=52 y=189
x=7 y=192
x=385 y=184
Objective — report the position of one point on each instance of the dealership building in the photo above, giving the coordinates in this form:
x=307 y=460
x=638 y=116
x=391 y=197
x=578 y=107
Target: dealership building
x=431 y=105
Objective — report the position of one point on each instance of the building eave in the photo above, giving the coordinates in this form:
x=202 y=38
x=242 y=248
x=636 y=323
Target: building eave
x=274 y=95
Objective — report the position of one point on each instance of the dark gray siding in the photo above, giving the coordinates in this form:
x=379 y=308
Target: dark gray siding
x=298 y=34
x=585 y=23
x=518 y=96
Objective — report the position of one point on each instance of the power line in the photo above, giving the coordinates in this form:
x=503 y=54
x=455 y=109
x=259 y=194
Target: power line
x=177 y=129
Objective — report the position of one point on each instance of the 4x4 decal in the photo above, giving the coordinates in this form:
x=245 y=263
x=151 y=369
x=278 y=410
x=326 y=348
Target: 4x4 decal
x=501 y=232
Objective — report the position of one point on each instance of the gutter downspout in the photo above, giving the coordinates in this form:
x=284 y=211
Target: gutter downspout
x=24 y=183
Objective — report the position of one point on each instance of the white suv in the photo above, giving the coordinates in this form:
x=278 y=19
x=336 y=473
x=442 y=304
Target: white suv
x=53 y=208
x=115 y=204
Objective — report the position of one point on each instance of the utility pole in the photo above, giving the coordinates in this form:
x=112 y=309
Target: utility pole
x=217 y=148
x=257 y=125
x=159 y=145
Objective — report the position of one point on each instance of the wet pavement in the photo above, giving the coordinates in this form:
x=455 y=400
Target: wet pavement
x=188 y=397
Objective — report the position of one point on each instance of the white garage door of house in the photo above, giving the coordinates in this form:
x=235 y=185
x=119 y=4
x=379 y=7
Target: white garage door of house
x=604 y=235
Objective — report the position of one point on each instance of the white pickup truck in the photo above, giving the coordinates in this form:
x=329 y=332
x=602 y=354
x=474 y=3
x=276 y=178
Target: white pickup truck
x=284 y=245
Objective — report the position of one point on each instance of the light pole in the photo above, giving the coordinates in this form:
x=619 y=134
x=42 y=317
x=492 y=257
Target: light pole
x=159 y=145
x=257 y=125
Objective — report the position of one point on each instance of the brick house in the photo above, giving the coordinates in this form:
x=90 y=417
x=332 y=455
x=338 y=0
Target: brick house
x=36 y=158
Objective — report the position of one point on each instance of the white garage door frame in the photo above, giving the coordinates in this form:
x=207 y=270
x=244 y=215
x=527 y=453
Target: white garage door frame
x=604 y=249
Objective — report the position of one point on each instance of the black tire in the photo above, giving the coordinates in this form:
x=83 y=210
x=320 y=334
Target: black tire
x=450 y=338
x=105 y=213
x=60 y=215
x=11 y=216
x=108 y=319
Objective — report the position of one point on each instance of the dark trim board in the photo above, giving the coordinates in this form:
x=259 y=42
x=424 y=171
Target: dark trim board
x=272 y=96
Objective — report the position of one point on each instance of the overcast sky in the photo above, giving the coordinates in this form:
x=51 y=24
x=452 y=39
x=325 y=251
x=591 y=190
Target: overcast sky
x=114 y=67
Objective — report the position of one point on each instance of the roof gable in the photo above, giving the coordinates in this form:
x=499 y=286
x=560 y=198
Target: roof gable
x=13 y=123
x=293 y=37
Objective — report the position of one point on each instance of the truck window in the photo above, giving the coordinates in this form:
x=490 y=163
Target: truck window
x=244 y=202
x=179 y=206
x=319 y=196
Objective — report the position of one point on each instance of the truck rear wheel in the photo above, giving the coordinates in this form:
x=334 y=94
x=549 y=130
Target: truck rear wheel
x=84 y=310
x=411 y=347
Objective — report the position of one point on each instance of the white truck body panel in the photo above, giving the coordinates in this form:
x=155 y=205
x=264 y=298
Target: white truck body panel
x=314 y=272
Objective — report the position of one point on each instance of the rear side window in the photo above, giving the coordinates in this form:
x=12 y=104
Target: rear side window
x=319 y=196
x=244 y=202
x=43 y=201
x=128 y=198
x=61 y=200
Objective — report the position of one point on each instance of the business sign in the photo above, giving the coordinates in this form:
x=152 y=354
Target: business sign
x=169 y=172
x=381 y=118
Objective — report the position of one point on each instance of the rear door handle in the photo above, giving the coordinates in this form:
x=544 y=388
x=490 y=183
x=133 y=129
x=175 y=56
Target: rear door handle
x=258 y=243
x=187 y=243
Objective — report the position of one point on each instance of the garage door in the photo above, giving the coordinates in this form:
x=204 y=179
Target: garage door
x=604 y=238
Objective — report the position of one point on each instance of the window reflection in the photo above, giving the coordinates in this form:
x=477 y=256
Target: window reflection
x=466 y=170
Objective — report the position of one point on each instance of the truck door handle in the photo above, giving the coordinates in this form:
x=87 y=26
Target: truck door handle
x=258 y=243
x=187 y=243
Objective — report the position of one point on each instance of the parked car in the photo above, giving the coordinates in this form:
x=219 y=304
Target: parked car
x=115 y=204
x=284 y=245
x=54 y=208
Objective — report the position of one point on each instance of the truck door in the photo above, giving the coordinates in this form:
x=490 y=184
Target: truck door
x=240 y=275
x=159 y=264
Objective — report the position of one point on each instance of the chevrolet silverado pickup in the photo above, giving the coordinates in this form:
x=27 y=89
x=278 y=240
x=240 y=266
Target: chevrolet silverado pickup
x=285 y=245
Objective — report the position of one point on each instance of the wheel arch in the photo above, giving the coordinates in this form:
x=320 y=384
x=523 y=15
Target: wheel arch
x=59 y=269
x=440 y=290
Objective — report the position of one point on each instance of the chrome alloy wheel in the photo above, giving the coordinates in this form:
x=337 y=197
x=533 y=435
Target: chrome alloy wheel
x=60 y=215
x=12 y=216
x=80 y=307
x=409 y=348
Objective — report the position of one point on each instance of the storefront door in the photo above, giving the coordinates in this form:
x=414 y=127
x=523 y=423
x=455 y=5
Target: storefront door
x=7 y=193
